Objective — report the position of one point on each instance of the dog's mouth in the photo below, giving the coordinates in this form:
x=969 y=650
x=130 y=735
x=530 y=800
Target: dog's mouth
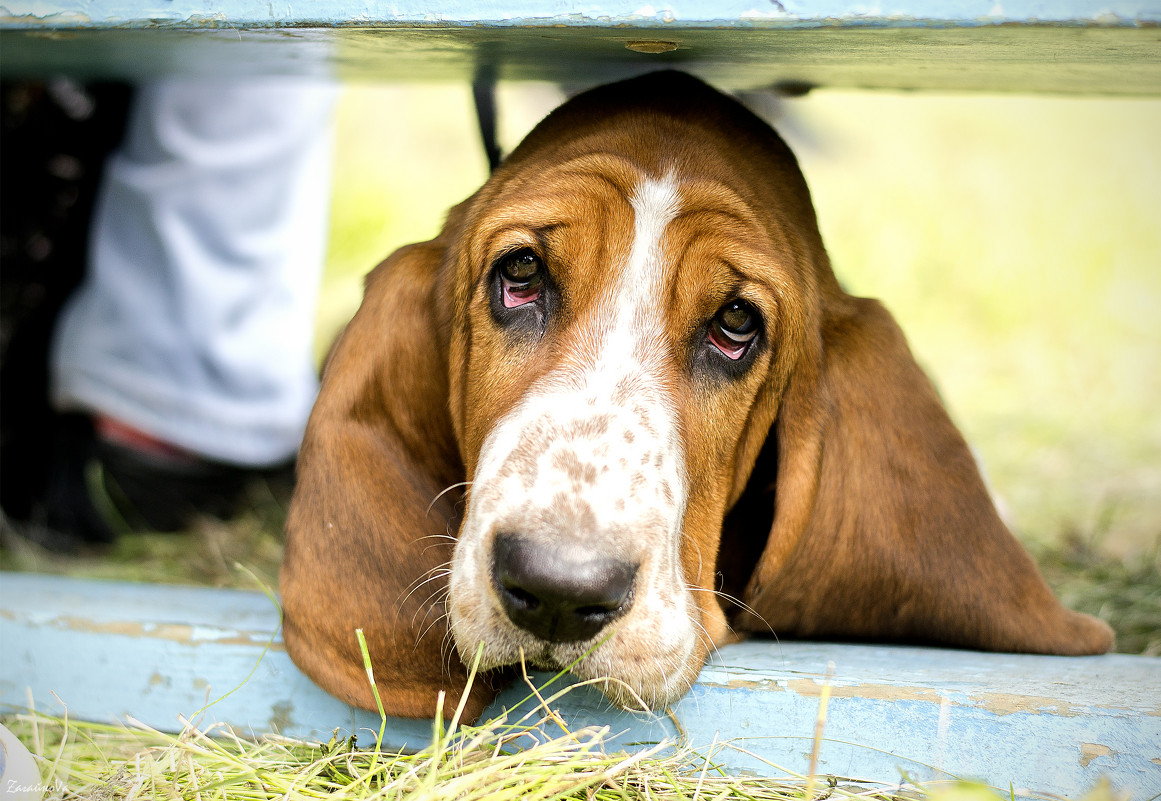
x=645 y=681
x=552 y=659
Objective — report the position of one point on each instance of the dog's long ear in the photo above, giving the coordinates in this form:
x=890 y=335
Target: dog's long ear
x=882 y=525
x=372 y=523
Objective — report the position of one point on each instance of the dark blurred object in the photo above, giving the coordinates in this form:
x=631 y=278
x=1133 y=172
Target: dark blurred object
x=54 y=139
x=169 y=490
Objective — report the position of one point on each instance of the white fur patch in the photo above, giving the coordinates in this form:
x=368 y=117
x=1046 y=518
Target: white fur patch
x=594 y=456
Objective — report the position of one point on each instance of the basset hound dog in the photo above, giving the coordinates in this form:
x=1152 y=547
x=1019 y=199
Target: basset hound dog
x=619 y=413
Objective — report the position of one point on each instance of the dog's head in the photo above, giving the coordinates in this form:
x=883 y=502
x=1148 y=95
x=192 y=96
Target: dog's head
x=621 y=409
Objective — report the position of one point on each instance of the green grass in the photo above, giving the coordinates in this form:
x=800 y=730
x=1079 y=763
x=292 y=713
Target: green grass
x=496 y=760
x=533 y=757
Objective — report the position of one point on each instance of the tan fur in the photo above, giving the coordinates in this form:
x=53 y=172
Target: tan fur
x=851 y=505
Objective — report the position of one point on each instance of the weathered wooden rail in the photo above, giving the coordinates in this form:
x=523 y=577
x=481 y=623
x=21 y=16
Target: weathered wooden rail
x=1040 y=724
x=1068 y=46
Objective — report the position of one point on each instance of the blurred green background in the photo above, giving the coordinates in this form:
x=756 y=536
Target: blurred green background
x=1016 y=239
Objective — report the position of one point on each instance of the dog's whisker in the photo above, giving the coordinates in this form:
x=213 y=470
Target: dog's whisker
x=433 y=575
x=435 y=603
x=444 y=568
x=705 y=638
x=738 y=602
x=435 y=545
x=443 y=492
x=439 y=618
x=447 y=536
x=447 y=646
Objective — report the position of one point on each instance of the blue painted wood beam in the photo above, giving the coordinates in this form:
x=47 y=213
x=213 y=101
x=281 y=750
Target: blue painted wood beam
x=1075 y=46
x=1044 y=724
x=670 y=14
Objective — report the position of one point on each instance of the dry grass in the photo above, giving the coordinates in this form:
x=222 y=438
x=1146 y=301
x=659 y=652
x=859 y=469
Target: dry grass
x=533 y=757
x=500 y=759
x=494 y=761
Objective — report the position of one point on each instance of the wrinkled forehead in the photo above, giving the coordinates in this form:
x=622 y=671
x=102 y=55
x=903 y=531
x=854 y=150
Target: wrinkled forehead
x=540 y=202
x=599 y=204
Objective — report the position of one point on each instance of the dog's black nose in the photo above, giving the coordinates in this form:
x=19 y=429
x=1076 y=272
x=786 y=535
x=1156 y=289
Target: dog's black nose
x=560 y=593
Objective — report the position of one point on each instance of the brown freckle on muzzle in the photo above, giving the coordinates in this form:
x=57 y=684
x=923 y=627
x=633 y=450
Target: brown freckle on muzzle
x=570 y=464
x=642 y=415
x=521 y=463
x=587 y=428
x=637 y=484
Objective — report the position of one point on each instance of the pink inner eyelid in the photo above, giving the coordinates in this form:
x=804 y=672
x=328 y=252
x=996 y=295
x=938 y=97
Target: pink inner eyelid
x=733 y=350
x=518 y=297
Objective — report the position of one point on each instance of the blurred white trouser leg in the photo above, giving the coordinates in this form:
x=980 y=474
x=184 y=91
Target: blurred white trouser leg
x=195 y=323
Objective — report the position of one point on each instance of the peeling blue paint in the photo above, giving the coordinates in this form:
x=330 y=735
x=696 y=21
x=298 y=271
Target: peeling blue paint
x=1045 y=724
x=635 y=13
x=1077 y=47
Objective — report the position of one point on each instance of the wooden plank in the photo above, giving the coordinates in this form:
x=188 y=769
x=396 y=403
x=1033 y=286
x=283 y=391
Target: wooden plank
x=1043 y=724
x=1079 y=46
x=201 y=13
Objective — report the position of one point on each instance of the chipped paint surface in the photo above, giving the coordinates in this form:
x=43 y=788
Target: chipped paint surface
x=22 y=17
x=175 y=632
x=948 y=13
x=996 y=703
x=1071 y=48
x=882 y=692
x=1007 y=704
x=650 y=46
x=157 y=653
x=1090 y=751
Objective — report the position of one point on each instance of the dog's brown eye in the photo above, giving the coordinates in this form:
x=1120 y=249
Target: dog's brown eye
x=734 y=328
x=522 y=277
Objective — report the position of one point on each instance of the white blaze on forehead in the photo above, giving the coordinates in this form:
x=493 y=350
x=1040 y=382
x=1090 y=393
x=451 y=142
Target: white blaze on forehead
x=629 y=348
x=594 y=453
x=607 y=435
x=633 y=315
x=655 y=205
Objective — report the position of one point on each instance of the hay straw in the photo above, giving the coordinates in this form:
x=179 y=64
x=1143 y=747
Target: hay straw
x=496 y=760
